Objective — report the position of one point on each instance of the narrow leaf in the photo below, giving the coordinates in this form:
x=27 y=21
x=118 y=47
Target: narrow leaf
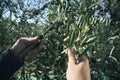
x=91 y=40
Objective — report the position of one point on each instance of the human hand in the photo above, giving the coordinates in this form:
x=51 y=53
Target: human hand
x=80 y=71
x=22 y=43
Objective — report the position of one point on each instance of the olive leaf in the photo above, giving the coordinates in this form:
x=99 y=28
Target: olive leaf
x=90 y=40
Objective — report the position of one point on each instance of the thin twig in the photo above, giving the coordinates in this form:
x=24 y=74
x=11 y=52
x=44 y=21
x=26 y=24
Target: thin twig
x=110 y=56
x=111 y=52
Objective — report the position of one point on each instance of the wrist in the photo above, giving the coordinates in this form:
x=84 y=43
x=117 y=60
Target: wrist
x=13 y=51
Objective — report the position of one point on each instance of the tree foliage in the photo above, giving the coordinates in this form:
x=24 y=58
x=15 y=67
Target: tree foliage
x=92 y=27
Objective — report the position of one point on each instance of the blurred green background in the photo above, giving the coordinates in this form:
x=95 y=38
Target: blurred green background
x=91 y=26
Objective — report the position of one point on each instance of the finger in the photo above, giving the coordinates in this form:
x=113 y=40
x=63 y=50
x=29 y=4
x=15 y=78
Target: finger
x=30 y=57
x=27 y=58
x=40 y=45
x=32 y=54
x=71 y=58
x=83 y=59
x=29 y=40
x=84 y=65
x=37 y=48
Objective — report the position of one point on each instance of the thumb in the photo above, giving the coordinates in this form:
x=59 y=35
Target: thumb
x=71 y=58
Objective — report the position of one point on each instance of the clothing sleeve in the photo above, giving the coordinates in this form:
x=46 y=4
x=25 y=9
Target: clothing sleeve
x=9 y=64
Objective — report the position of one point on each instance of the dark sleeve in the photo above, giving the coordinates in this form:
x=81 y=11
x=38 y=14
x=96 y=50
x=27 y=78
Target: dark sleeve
x=9 y=64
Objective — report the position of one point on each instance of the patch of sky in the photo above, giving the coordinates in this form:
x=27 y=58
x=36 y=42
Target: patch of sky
x=28 y=5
